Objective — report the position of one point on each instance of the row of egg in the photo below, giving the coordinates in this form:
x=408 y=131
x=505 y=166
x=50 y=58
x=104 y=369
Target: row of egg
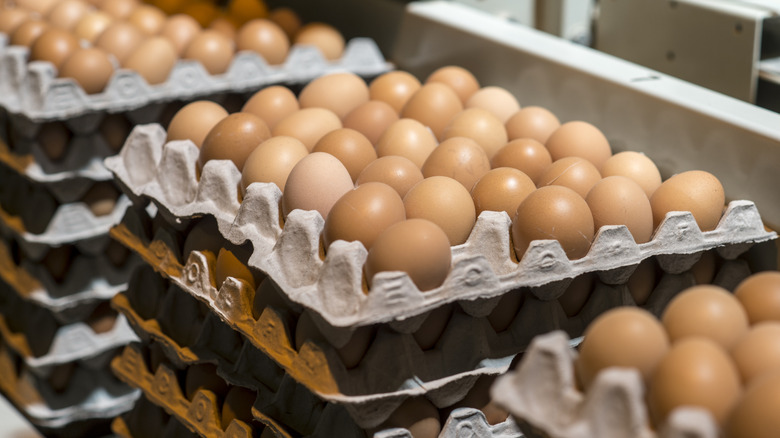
x=87 y=42
x=710 y=349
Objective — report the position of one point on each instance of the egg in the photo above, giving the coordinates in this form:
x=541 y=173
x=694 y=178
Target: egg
x=324 y=37
x=238 y=406
x=417 y=247
x=41 y=7
x=203 y=376
x=501 y=189
x=54 y=45
x=555 y=213
x=180 y=29
x=202 y=11
x=11 y=18
x=92 y=24
x=459 y=158
x=194 y=121
x=433 y=327
x=148 y=19
x=226 y=26
x=287 y=19
x=228 y=265
x=526 y=155
x=66 y=14
x=696 y=191
x=308 y=125
x=57 y=261
x=502 y=316
x=478 y=397
x=91 y=68
x=621 y=337
x=272 y=104
x=579 y=139
x=394 y=88
x=265 y=38
x=338 y=92
x=233 y=138
x=351 y=148
x=120 y=40
x=481 y=126
x=396 y=171
x=153 y=60
x=102 y=319
x=706 y=311
x=247 y=9
x=26 y=33
x=101 y=198
x=272 y=161
x=316 y=183
x=703 y=270
x=755 y=413
x=759 y=295
x=634 y=165
x=371 y=119
x=575 y=173
x=350 y=353
x=532 y=122
x=642 y=281
x=212 y=49
x=407 y=138
x=445 y=202
x=119 y=9
x=433 y=105
x=54 y=138
x=418 y=416
x=617 y=200
x=497 y=100
x=462 y=81
x=757 y=352
x=114 y=129
x=202 y=236
x=576 y=294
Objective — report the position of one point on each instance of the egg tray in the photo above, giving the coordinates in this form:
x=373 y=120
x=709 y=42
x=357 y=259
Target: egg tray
x=34 y=90
x=542 y=396
x=148 y=169
x=147 y=419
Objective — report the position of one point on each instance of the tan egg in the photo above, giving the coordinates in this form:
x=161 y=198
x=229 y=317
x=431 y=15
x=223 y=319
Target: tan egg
x=11 y=18
x=696 y=191
x=433 y=327
x=54 y=138
x=363 y=213
x=203 y=376
x=705 y=311
x=92 y=24
x=418 y=416
x=228 y=265
x=233 y=138
x=617 y=200
x=316 y=183
x=91 y=68
x=695 y=372
x=120 y=39
x=119 y=9
x=180 y=29
x=704 y=269
x=532 y=122
x=501 y=189
x=634 y=165
x=28 y=32
x=212 y=49
x=202 y=236
x=102 y=319
x=272 y=161
x=225 y=26
x=575 y=173
x=642 y=281
x=576 y=295
x=202 y=11
x=445 y=202
x=579 y=139
x=478 y=397
x=194 y=121
x=459 y=158
x=338 y=92
x=351 y=148
x=622 y=337
x=555 y=213
x=506 y=310
x=287 y=19
x=755 y=414
x=54 y=45
x=148 y=19
x=238 y=406
x=479 y=125
x=757 y=352
x=66 y=14
x=407 y=138
x=417 y=247
x=350 y=354
x=101 y=198
x=42 y=7
x=114 y=130
x=272 y=104
x=323 y=36
x=394 y=88
x=308 y=125
x=433 y=105
x=153 y=59
x=265 y=38
x=497 y=100
x=526 y=155
x=371 y=119
x=396 y=171
x=462 y=81
x=116 y=253
x=759 y=295
x=57 y=261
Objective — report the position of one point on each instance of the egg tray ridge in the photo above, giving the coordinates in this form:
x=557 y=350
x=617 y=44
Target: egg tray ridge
x=147 y=168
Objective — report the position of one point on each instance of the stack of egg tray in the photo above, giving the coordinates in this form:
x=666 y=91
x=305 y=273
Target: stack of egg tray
x=295 y=280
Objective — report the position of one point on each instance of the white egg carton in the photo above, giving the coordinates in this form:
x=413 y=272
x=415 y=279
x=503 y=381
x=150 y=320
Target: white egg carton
x=464 y=422
x=542 y=396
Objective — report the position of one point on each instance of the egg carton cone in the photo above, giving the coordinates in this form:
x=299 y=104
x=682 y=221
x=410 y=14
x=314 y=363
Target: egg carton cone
x=34 y=90
x=542 y=396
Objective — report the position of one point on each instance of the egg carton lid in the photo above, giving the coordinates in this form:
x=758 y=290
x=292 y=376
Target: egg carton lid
x=34 y=90
x=482 y=268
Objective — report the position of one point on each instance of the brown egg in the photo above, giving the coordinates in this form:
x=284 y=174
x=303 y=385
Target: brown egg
x=555 y=213
x=90 y=67
x=575 y=173
x=706 y=311
x=26 y=33
x=350 y=354
x=501 y=189
x=54 y=138
x=371 y=119
x=418 y=416
x=506 y=310
x=54 y=45
x=462 y=82
x=148 y=19
x=407 y=138
x=202 y=11
x=526 y=155
x=394 y=88
x=757 y=352
x=102 y=319
x=233 y=138
x=226 y=26
x=532 y=122
x=66 y=14
x=92 y=24
x=459 y=158
x=445 y=202
x=576 y=295
x=363 y=213
x=228 y=265
x=194 y=121
x=642 y=281
x=316 y=183
x=203 y=376
x=755 y=414
x=479 y=125
x=42 y=7
x=180 y=29
x=432 y=327
x=478 y=397
x=308 y=125
x=579 y=139
x=57 y=261
x=119 y=9
x=272 y=161
x=238 y=406
x=433 y=105
x=695 y=372
x=338 y=92
x=634 y=165
x=617 y=200
x=704 y=270
x=323 y=36
x=114 y=129
x=497 y=100
x=272 y=104
x=212 y=49
x=203 y=236
x=11 y=18
x=622 y=337
x=243 y=10
x=120 y=39
x=101 y=198
x=265 y=38
x=696 y=191
x=415 y=246
x=287 y=19
x=153 y=59
x=759 y=295
x=351 y=148
x=396 y=171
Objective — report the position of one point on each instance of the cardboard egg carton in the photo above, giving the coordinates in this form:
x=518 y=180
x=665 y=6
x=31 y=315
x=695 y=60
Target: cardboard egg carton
x=542 y=396
x=147 y=419
x=464 y=419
